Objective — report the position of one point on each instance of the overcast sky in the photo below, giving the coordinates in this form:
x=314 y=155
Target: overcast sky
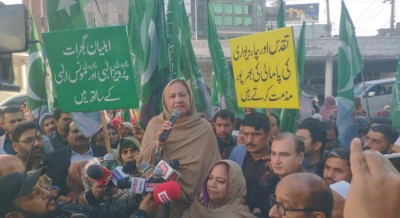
x=368 y=15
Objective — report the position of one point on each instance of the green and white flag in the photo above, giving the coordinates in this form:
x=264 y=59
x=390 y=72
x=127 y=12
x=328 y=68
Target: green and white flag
x=183 y=61
x=36 y=99
x=215 y=106
x=137 y=35
x=350 y=63
x=174 y=33
x=394 y=114
x=154 y=74
x=222 y=74
x=289 y=117
x=66 y=14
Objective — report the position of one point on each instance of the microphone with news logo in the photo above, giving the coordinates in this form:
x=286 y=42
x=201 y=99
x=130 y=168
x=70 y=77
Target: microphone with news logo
x=170 y=172
x=100 y=174
x=123 y=172
x=174 y=116
x=146 y=170
x=155 y=180
x=166 y=192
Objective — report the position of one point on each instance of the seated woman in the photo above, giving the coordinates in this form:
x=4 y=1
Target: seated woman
x=191 y=141
x=223 y=193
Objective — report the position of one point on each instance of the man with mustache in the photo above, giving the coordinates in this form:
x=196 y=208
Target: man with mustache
x=10 y=117
x=79 y=148
x=29 y=145
x=256 y=135
x=59 y=137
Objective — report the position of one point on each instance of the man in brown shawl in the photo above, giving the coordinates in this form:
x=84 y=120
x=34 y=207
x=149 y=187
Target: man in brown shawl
x=191 y=141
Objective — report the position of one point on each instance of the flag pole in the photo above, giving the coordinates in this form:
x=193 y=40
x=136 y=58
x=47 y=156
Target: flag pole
x=105 y=131
x=366 y=94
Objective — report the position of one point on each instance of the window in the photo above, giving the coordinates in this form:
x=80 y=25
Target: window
x=228 y=20
x=218 y=20
x=248 y=21
x=238 y=9
x=217 y=8
x=228 y=8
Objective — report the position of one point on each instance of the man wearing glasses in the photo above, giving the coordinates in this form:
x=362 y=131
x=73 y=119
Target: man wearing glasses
x=302 y=195
x=29 y=144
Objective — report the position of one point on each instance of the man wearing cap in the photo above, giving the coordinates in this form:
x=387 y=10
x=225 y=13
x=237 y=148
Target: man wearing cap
x=34 y=201
x=337 y=166
x=339 y=192
x=47 y=122
x=125 y=129
x=128 y=150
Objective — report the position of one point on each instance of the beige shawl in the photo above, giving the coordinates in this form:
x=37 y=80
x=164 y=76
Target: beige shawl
x=234 y=202
x=191 y=141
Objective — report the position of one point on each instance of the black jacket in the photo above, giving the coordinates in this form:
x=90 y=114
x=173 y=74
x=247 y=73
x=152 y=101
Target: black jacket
x=58 y=163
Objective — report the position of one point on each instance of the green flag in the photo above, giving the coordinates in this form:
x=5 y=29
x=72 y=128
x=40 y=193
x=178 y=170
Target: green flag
x=137 y=37
x=65 y=14
x=281 y=15
x=290 y=116
x=191 y=69
x=154 y=75
x=174 y=34
x=350 y=63
x=223 y=75
x=36 y=99
x=394 y=114
x=280 y=22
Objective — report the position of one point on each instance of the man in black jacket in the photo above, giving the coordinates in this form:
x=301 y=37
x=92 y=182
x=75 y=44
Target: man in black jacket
x=79 y=149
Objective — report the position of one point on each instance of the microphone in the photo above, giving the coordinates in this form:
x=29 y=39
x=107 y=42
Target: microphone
x=169 y=172
x=166 y=192
x=122 y=172
x=129 y=167
x=174 y=116
x=100 y=174
x=109 y=162
x=155 y=180
x=133 y=184
x=157 y=176
x=174 y=163
x=146 y=170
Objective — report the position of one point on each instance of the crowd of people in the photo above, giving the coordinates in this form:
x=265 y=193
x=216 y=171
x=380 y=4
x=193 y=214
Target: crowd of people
x=228 y=167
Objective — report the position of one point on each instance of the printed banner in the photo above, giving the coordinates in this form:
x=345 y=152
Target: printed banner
x=265 y=70
x=91 y=69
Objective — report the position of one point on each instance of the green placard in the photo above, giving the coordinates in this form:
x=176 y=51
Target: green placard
x=91 y=69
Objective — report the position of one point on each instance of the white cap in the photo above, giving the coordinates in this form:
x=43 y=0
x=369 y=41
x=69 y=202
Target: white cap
x=342 y=188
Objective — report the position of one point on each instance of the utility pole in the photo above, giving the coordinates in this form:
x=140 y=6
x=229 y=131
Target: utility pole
x=328 y=20
x=392 y=2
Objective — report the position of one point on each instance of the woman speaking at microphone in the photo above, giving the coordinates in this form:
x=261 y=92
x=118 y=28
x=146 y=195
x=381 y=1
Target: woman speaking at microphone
x=223 y=194
x=191 y=141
